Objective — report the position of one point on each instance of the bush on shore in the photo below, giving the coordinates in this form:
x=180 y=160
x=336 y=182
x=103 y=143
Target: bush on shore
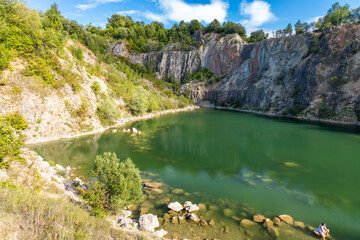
x=118 y=184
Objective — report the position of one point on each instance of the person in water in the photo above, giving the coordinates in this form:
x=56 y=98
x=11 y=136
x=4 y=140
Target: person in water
x=323 y=231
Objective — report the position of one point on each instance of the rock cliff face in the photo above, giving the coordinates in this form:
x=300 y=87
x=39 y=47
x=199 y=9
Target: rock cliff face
x=308 y=75
x=218 y=53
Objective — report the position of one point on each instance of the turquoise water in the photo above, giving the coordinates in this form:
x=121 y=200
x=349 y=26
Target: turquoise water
x=272 y=166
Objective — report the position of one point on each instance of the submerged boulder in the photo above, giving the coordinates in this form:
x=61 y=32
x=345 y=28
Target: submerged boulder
x=258 y=218
x=274 y=232
x=299 y=224
x=247 y=223
x=228 y=212
x=148 y=222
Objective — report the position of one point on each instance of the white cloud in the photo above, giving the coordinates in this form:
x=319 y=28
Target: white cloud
x=155 y=17
x=95 y=3
x=128 y=12
x=84 y=7
x=314 y=19
x=177 y=10
x=259 y=12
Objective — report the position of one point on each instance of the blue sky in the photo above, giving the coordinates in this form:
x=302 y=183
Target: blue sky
x=253 y=14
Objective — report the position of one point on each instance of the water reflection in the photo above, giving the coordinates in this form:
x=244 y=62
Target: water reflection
x=310 y=171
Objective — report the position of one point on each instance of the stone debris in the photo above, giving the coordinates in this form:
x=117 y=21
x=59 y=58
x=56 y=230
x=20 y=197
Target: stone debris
x=148 y=222
x=287 y=219
x=299 y=224
x=175 y=206
x=160 y=233
x=277 y=221
x=177 y=191
x=247 y=223
x=191 y=207
x=274 y=232
x=193 y=217
x=258 y=218
x=125 y=213
x=268 y=223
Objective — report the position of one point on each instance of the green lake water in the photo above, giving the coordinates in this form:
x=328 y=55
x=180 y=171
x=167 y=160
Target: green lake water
x=244 y=162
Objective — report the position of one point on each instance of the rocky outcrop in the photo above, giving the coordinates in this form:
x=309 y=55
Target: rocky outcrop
x=217 y=52
x=308 y=76
x=312 y=75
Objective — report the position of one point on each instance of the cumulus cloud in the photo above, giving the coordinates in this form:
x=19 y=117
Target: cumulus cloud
x=259 y=13
x=177 y=10
x=94 y=3
x=314 y=19
x=155 y=17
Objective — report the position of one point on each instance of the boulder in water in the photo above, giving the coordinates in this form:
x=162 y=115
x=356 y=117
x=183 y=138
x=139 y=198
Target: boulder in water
x=277 y=221
x=274 y=232
x=247 y=223
x=268 y=223
x=287 y=219
x=175 y=206
x=193 y=217
x=299 y=224
x=228 y=212
x=258 y=218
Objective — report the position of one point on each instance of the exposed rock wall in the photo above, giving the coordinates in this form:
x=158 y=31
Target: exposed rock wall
x=308 y=75
x=218 y=53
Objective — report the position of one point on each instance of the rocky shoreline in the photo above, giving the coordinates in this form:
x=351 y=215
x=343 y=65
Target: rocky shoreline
x=119 y=123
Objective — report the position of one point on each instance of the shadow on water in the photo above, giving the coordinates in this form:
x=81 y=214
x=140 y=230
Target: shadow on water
x=277 y=165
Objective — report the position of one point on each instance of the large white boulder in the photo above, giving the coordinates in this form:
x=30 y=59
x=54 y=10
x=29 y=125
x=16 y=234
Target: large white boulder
x=148 y=222
x=175 y=206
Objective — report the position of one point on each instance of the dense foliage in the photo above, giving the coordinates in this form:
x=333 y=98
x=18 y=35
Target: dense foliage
x=143 y=37
x=336 y=15
x=118 y=184
x=11 y=139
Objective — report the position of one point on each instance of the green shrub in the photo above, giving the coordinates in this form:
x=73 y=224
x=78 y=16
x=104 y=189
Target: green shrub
x=138 y=104
x=96 y=87
x=4 y=57
x=107 y=112
x=77 y=52
x=118 y=184
x=11 y=139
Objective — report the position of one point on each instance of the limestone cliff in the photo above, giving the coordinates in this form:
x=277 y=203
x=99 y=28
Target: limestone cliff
x=217 y=52
x=309 y=76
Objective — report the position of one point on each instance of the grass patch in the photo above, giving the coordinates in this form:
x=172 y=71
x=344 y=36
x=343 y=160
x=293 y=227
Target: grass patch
x=41 y=217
